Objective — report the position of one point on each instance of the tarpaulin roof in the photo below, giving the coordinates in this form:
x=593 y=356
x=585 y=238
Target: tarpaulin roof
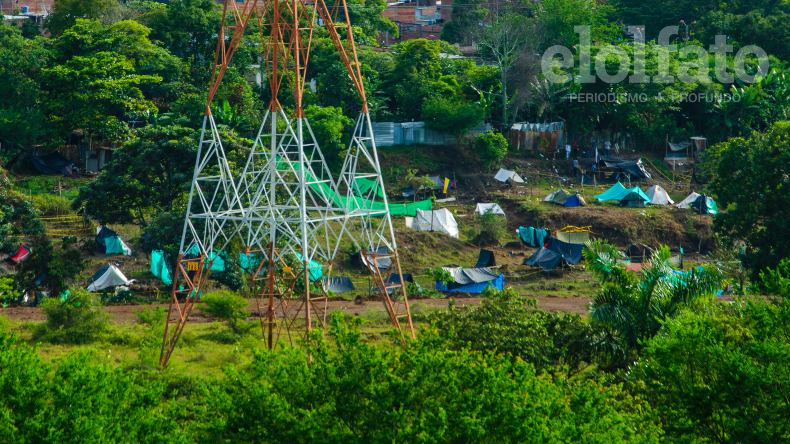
x=504 y=175
x=363 y=187
x=634 y=199
x=21 y=254
x=532 y=236
x=394 y=279
x=463 y=276
x=107 y=276
x=114 y=245
x=679 y=146
x=573 y=237
x=615 y=192
x=633 y=166
x=559 y=197
x=572 y=253
x=658 y=196
x=216 y=260
x=497 y=282
x=705 y=205
x=52 y=163
x=485 y=259
x=382 y=263
x=438 y=220
x=544 y=258
x=686 y=203
x=103 y=234
x=338 y=284
x=159 y=267
x=483 y=208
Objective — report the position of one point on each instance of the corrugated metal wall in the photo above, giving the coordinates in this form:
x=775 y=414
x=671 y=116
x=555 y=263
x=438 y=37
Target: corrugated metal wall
x=415 y=133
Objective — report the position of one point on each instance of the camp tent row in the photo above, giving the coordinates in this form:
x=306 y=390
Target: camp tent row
x=557 y=251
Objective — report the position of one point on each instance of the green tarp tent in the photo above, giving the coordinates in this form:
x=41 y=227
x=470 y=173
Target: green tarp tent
x=633 y=200
x=316 y=272
x=159 y=267
x=114 y=245
x=217 y=265
x=560 y=197
x=616 y=192
x=705 y=205
x=364 y=186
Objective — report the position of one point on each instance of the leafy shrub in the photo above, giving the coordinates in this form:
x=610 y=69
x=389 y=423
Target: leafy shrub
x=228 y=307
x=488 y=229
x=491 y=147
x=153 y=322
x=75 y=320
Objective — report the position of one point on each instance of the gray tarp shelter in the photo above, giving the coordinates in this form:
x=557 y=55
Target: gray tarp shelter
x=52 y=163
x=544 y=258
x=485 y=259
x=337 y=285
x=631 y=166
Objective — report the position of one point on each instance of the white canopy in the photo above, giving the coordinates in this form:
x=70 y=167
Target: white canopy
x=111 y=277
x=483 y=208
x=438 y=220
x=503 y=175
x=686 y=203
x=658 y=196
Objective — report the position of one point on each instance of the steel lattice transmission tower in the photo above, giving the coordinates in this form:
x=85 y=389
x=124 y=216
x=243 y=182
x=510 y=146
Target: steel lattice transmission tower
x=285 y=207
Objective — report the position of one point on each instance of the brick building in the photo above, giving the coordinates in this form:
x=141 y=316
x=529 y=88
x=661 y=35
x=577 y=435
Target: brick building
x=34 y=7
x=416 y=19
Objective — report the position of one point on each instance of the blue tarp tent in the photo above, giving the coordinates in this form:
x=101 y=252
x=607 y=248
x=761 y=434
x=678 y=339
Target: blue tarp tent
x=572 y=253
x=616 y=192
x=159 y=267
x=544 y=258
x=574 y=201
x=471 y=280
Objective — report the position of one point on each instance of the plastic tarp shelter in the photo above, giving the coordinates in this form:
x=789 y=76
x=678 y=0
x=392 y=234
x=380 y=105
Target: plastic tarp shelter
x=159 y=267
x=572 y=253
x=504 y=175
x=631 y=166
x=394 y=279
x=615 y=192
x=558 y=197
x=114 y=245
x=658 y=196
x=437 y=220
x=633 y=200
x=705 y=205
x=313 y=267
x=216 y=260
x=382 y=263
x=574 y=201
x=337 y=285
x=471 y=280
x=532 y=236
x=485 y=259
x=107 y=276
x=685 y=204
x=573 y=237
x=21 y=254
x=102 y=234
x=483 y=208
x=544 y=258
x=363 y=187
x=52 y=163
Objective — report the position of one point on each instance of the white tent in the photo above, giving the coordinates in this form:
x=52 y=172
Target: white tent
x=108 y=276
x=439 y=220
x=658 y=196
x=686 y=203
x=504 y=175
x=483 y=208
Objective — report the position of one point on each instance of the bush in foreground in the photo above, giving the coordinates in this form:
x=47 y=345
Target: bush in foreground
x=77 y=319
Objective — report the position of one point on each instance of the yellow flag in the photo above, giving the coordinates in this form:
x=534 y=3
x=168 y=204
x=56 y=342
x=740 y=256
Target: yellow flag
x=446 y=184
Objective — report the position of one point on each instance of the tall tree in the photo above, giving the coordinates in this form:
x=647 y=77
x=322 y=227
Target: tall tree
x=66 y=12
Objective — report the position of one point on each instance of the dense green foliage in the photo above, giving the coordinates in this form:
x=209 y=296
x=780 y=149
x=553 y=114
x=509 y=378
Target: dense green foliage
x=491 y=147
x=72 y=319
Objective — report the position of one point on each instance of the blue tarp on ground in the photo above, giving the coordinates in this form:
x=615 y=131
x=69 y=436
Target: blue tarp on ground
x=544 y=258
x=159 y=267
x=572 y=253
x=532 y=236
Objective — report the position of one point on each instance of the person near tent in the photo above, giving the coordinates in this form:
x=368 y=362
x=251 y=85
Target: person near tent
x=575 y=167
x=567 y=151
x=575 y=151
x=596 y=153
x=606 y=147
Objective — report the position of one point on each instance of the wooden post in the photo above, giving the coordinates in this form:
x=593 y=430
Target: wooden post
x=59 y=189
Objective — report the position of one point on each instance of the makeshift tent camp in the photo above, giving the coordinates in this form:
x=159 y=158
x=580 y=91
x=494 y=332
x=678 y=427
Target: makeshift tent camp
x=485 y=259
x=21 y=254
x=585 y=180
x=615 y=192
x=532 y=237
x=685 y=204
x=382 y=263
x=560 y=197
x=114 y=245
x=504 y=175
x=159 y=267
x=52 y=163
x=102 y=234
x=573 y=235
x=483 y=208
x=313 y=267
x=217 y=261
x=658 y=196
x=471 y=280
x=574 y=201
x=438 y=185
x=633 y=200
x=107 y=276
x=337 y=285
x=572 y=253
x=363 y=187
x=705 y=205
x=544 y=258
x=631 y=166
x=438 y=220
x=393 y=280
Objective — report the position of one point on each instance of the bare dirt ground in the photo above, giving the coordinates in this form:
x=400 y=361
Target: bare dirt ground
x=125 y=313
